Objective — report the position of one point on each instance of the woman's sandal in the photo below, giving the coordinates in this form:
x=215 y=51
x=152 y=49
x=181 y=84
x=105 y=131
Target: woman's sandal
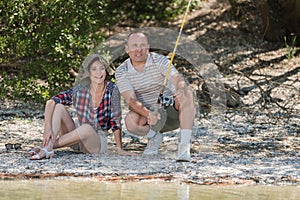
x=49 y=154
x=34 y=151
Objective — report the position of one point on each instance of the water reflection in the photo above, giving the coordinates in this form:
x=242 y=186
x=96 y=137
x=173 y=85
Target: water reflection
x=88 y=189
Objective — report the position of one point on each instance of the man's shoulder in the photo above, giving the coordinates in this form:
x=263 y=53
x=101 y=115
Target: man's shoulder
x=158 y=57
x=122 y=67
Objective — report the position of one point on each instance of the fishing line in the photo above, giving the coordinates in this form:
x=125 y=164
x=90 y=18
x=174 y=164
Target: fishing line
x=159 y=125
x=176 y=44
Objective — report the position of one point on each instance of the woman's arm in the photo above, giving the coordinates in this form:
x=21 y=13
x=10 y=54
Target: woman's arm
x=116 y=115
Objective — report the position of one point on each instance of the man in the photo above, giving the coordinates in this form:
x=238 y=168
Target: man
x=140 y=80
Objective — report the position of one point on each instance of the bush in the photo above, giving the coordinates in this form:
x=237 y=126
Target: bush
x=41 y=41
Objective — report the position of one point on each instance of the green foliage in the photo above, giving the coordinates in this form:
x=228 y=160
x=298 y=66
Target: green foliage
x=140 y=10
x=290 y=48
x=41 y=41
x=44 y=40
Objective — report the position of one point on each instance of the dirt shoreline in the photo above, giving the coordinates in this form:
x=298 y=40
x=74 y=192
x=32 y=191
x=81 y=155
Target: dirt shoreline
x=212 y=163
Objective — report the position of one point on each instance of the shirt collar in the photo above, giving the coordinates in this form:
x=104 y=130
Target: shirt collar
x=130 y=66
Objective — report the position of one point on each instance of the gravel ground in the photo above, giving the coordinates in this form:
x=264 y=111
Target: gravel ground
x=254 y=142
x=225 y=154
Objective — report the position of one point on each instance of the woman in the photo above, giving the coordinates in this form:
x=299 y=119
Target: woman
x=97 y=104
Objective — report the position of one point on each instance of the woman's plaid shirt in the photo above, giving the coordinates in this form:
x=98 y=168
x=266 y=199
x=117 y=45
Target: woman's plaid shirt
x=106 y=116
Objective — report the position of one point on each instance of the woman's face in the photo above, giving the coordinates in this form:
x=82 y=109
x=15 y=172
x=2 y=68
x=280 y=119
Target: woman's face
x=97 y=72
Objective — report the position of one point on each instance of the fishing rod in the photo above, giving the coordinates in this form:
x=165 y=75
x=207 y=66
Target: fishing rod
x=176 y=44
x=170 y=65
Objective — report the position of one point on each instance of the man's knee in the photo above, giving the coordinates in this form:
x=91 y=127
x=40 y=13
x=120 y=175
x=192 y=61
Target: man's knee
x=187 y=101
x=132 y=117
x=134 y=122
x=130 y=122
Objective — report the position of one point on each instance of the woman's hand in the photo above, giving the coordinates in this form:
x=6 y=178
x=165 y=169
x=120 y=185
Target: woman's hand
x=122 y=152
x=48 y=137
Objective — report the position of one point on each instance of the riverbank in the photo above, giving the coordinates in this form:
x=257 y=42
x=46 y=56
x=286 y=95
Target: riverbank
x=221 y=155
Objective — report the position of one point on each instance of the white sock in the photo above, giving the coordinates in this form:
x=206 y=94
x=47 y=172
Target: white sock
x=151 y=133
x=185 y=136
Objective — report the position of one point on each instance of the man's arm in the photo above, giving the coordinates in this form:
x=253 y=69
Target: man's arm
x=134 y=104
x=137 y=107
x=178 y=81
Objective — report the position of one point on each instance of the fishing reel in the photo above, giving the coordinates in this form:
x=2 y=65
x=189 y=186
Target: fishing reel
x=165 y=101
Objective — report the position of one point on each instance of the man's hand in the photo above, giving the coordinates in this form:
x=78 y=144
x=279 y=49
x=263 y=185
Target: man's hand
x=152 y=118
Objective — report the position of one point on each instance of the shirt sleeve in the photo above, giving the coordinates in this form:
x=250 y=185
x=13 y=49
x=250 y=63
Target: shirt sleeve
x=122 y=81
x=65 y=98
x=116 y=111
x=164 y=62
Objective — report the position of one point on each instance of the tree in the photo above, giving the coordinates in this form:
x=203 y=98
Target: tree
x=41 y=41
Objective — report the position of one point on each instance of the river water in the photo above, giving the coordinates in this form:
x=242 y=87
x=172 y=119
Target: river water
x=92 y=189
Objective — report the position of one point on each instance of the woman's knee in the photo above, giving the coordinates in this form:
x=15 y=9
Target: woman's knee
x=86 y=128
x=59 y=108
x=89 y=141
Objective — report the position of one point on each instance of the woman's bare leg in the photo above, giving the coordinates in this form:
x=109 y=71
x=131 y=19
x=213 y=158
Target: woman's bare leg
x=62 y=123
x=85 y=135
x=64 y=127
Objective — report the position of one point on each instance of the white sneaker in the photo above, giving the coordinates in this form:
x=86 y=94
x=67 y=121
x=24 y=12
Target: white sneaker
x=153 y=144
x=184 y=152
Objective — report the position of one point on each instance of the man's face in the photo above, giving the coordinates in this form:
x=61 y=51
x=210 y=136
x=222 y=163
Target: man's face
x=137 y=48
